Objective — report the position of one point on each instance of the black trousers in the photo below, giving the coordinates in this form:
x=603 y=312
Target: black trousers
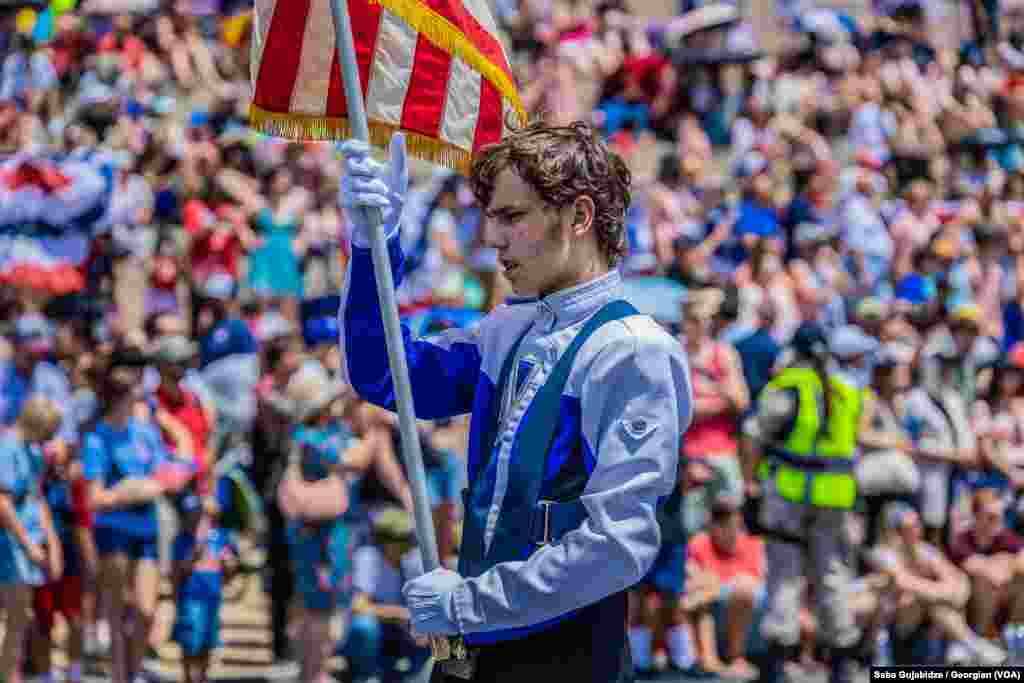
x=592 y=647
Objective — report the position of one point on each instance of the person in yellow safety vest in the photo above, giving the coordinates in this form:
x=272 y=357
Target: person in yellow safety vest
x=804 y=436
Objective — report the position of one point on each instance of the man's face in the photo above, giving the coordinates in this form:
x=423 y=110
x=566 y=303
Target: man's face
x=533 y=245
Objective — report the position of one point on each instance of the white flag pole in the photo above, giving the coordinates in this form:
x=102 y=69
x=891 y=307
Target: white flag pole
x=411 y=452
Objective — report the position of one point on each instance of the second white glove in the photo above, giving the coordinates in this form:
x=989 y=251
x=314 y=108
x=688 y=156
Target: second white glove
x=368 y=183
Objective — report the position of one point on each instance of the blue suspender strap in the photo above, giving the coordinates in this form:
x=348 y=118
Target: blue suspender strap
x=512 y=536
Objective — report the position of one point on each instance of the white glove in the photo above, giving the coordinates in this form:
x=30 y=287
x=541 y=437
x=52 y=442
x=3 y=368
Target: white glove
x=369 y=183
x=430 y=602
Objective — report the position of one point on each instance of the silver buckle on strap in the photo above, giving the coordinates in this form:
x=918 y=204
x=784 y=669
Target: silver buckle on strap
x=546 y=538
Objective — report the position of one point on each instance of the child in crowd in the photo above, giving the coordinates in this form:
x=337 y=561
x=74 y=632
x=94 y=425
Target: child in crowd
x=67 y=494
x=205 y=556
x=379 y=636
x=30 y=552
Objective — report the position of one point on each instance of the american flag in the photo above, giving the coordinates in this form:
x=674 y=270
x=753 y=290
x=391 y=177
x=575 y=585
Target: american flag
x=434 y=69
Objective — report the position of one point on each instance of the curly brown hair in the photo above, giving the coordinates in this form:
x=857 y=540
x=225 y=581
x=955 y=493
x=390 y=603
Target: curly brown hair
x=562 y=164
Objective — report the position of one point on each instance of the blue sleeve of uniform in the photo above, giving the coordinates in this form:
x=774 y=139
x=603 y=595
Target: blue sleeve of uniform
x=443 y=369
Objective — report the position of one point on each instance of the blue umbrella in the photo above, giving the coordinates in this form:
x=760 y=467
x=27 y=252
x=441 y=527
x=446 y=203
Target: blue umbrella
x=658 y=297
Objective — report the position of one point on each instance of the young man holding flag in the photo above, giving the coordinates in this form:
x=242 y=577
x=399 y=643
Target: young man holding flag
x=578 y=406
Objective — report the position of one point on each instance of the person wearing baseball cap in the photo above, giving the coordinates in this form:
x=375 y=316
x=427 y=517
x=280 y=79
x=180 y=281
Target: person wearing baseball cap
x=228 y=356
x=804 y=434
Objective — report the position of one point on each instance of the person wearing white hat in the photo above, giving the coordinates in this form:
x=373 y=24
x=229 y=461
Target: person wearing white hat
x=854 y=350
x=314 y=495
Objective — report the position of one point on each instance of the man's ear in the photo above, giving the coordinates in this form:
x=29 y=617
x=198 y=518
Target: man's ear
x=583 y=212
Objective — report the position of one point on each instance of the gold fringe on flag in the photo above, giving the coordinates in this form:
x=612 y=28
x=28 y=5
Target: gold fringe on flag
x=314 y=127
x=445 y=35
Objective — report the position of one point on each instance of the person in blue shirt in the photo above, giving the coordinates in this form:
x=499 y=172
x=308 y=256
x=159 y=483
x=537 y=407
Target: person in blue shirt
x=759 y=350
x=754 y=217
x=314 y=497
x=30 y=551
x=758 y=214
x=31 y=371
x=204 y=556
x=122 y=458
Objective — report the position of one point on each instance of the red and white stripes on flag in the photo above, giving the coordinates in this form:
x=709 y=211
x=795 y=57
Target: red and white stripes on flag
x=434 y=69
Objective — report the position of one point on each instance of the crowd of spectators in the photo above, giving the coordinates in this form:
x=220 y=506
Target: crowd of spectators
x=864 y=176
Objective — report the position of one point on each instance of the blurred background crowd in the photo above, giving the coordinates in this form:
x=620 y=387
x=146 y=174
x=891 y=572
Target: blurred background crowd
x=167 y=268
